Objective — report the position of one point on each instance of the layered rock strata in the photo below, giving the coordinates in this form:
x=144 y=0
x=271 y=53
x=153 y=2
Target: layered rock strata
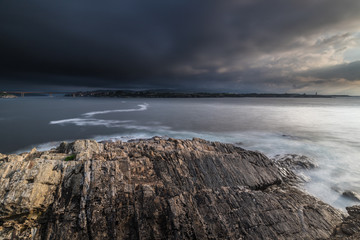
x=350 y=227
x=156 y=189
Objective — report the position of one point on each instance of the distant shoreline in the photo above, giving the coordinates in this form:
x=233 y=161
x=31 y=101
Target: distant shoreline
x=6 y=95
x=158 y=94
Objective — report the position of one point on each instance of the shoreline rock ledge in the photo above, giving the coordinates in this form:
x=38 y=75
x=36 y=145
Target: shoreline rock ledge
x=158 y=189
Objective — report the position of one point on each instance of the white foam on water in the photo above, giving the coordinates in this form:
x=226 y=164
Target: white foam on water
x=120 y=137
x=39 y=147
x=142 y=107
x=269 y=143
x=147 y=128
x=327 y=182
x=311 y=131
x=90 y=122
x=125 y=124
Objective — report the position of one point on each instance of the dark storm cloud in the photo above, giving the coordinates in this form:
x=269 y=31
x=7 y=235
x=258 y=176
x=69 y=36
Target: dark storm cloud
x=135 y=43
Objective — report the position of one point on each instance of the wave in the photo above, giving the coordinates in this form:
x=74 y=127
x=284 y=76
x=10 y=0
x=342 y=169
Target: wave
x=39 y=147
x=91 y=122
x=126 y=124
x=142 y=107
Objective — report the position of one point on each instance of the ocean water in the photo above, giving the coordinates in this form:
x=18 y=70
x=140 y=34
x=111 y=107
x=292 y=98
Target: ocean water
x=327 y=130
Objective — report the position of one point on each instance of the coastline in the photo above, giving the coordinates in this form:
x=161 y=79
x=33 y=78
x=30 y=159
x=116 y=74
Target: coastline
x=175 y=94
x=4 y=95
x=170 y=181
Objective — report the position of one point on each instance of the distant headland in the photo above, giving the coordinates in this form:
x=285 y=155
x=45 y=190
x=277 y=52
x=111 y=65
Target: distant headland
x=171 y=94
x=7 y=95
x=161 y=93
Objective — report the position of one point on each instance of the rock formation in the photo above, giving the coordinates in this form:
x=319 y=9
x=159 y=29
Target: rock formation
x=6 y=95
x=295 y=162
x=350 y=227
x=291 y=167
x=156 y=189
x=351 y=195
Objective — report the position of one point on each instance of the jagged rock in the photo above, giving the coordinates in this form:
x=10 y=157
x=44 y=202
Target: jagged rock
x=350 y=227
x=352 y=195
x=294 y=161
x=83 y=149
x=2 y=156
x=156 y=189
x=6 y=95
x=290 y=166
x=63 y=147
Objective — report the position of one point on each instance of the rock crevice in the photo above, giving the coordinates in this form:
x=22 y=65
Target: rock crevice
x=156 y=189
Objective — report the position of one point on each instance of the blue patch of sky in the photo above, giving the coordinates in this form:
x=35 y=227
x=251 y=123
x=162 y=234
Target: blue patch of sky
x=353 y=54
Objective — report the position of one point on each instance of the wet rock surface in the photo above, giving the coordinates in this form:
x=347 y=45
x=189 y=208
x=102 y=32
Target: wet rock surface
x=350 y=227
x=156 y=189
x=352 y=195
x=292 y=166
x=295 y=162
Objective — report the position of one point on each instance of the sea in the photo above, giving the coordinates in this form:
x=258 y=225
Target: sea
x=326 y=130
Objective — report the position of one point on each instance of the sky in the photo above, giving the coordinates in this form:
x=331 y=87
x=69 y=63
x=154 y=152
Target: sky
x=298 y=46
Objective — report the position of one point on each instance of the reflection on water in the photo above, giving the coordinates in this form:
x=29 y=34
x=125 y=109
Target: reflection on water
x=327 y=130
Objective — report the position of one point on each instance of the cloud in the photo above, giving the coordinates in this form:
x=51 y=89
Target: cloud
x=313 y=52
x=347 y=71
x=249 y=45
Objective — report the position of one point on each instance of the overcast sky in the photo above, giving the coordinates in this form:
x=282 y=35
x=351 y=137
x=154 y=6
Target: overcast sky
x=224 y=45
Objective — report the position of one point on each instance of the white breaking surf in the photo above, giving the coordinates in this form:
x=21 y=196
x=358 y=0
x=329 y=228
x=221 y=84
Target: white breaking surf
x=142 y=107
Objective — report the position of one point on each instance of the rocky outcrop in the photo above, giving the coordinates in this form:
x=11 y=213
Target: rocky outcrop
x=291 y=167
x=295 y=162
x=155 y=189
x=350 y=227
x=6 y=95
x=351 y=195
